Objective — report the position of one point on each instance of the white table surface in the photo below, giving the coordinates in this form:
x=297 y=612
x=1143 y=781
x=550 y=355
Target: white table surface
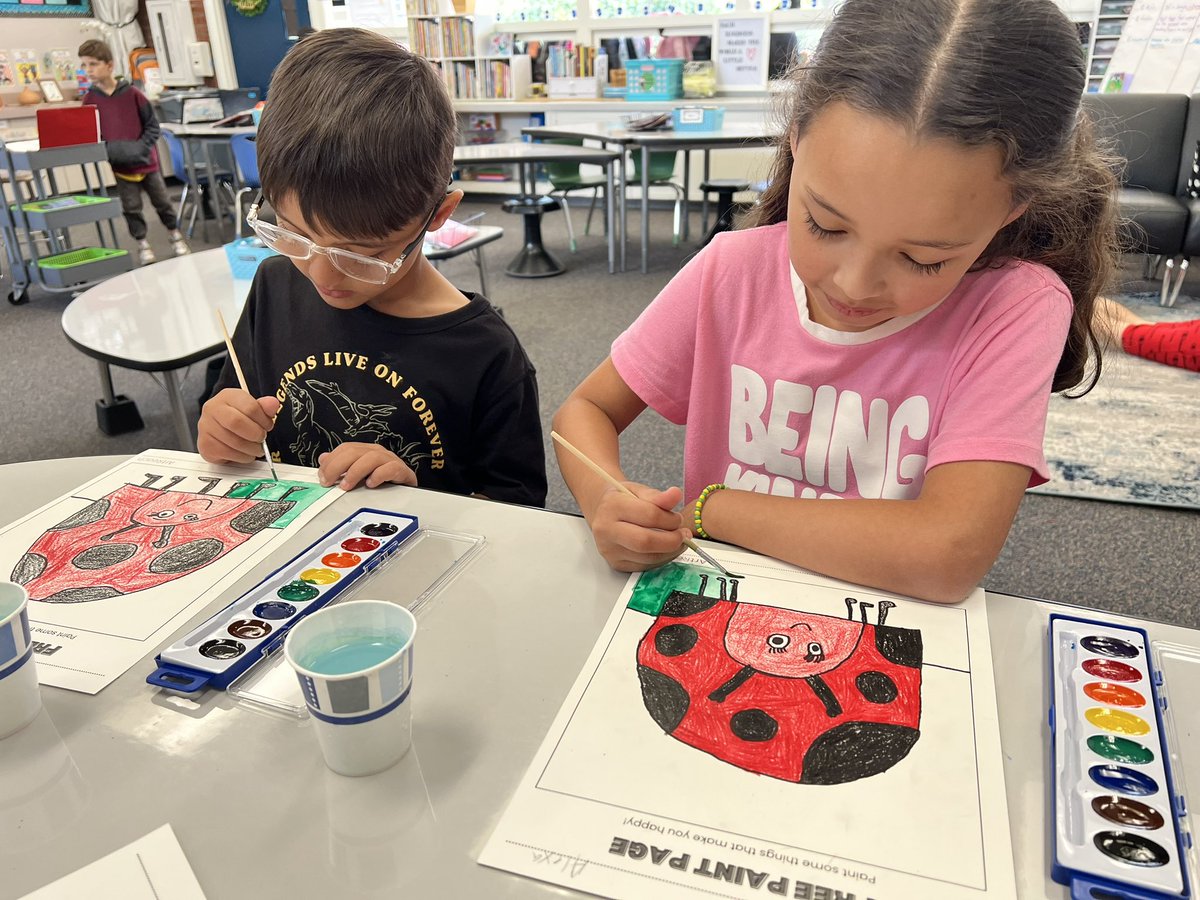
x=158 y=317
x=258 y=814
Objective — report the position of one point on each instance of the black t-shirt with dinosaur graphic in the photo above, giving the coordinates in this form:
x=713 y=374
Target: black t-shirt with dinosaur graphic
x=453 y=395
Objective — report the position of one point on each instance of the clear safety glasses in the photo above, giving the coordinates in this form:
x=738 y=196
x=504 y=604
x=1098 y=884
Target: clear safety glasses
x=363 y=268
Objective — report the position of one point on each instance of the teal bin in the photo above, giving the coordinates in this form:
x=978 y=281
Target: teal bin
x=698 y=118
x=654 y=79
x=245 y=254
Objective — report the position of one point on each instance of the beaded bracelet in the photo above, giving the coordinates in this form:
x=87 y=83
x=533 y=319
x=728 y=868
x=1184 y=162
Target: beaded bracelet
x=704 y=495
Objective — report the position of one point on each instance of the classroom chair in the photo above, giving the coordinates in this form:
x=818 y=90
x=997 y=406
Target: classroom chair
x=662 y=171
x=565 y=177
x=200 y=185
x=245 y=158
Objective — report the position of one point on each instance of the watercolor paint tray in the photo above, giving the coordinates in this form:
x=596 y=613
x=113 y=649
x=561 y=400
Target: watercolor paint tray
x=226 y=645
x=1121 y=827
x=414 y=577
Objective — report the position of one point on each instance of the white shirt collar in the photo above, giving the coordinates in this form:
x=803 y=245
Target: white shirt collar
x=834 y=336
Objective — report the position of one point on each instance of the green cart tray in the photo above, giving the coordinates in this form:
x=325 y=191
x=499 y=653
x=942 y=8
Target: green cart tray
x=79 y=257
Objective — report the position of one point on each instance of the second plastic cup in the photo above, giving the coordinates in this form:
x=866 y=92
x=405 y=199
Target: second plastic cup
x=355 y=665
x=20 y=697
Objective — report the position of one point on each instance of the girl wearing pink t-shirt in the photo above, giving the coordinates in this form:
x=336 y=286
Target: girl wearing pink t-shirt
x=921 y=275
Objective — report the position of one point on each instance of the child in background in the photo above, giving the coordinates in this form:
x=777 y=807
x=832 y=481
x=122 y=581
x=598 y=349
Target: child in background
x=130 y=130
x=361 y=358
x=1169 y=343
x=922 y=275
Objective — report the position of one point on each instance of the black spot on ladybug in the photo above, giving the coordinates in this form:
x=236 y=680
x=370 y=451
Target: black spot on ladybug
x=876 y=687
x=899 y=645
x=186 y=557
x=753 y=725
x=856 y=750
x=665 y=698
x=104 y=555
x=679 y=604
x=82 y=594
x=28 y=567
x=675 y=640
x=94 y=512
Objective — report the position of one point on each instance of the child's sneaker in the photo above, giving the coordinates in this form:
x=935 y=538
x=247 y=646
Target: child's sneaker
x=146 y=253
x=179 y=244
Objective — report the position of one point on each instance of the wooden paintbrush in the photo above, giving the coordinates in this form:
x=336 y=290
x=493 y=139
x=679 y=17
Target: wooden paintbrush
x=586 y=460
x=237 y=367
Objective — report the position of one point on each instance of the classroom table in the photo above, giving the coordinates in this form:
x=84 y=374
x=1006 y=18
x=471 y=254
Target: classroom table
x=159 y=318
x=249 y=797
x=728 y=137
x=525 y=155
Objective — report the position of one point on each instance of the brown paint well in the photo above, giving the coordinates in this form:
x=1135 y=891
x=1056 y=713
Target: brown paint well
x=1128 y=812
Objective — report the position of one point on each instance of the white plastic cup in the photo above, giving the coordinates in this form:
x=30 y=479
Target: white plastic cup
x=355 y=665
x=20 y=698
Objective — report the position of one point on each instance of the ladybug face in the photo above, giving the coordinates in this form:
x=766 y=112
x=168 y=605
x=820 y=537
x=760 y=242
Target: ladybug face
x=789 y=644
x=176 y=508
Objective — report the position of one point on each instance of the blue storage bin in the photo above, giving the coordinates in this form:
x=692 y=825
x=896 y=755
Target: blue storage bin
x=698 y=118
x=654 y=79
x=245 y=254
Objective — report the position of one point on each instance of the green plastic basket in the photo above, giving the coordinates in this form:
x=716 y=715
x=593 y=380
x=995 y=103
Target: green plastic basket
x=58 y=203
x=79 y=257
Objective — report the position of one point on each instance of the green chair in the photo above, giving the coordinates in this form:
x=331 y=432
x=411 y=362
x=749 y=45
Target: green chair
x=662 y=170
x=565 y=177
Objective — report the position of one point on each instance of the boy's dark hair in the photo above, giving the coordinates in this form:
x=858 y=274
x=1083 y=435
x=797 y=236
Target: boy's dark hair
x=359 y=131
x=981 y=73
x=96 y=49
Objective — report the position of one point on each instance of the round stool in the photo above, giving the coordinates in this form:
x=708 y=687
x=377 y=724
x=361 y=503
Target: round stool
x=724 y=188
x=534 y=261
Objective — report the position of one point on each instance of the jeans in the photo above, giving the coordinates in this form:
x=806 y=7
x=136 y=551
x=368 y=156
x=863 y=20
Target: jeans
x=130 y=193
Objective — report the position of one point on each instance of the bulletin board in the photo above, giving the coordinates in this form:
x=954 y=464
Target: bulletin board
x=46 y=8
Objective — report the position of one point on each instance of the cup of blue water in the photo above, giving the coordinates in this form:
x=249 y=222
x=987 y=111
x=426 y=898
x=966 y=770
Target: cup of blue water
x=20 y=697
x=355 y=665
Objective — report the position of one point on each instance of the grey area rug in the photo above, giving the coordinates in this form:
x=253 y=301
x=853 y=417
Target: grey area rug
x=1135 y=438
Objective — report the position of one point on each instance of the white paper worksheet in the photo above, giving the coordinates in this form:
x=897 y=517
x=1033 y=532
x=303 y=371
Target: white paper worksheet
x=781 y=734
x=151 y=868
x=115 y=566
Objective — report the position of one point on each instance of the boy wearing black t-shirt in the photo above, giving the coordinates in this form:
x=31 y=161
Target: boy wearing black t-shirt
x=362 y=359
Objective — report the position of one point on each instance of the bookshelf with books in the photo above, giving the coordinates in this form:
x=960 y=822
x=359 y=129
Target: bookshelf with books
x=474 y=70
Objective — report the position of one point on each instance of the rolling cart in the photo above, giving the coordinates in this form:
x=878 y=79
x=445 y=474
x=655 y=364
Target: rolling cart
x=37 y=237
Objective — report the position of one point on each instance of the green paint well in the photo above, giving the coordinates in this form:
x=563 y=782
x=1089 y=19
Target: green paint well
x=269 y=489
x=297 y=591
x=1120 y=749
x=655 y=586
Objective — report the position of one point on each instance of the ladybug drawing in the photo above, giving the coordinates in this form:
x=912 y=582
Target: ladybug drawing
x=799 y=696
x=138 y=537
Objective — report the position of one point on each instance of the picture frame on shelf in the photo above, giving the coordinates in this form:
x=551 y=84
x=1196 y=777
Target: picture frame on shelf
x=50 y=91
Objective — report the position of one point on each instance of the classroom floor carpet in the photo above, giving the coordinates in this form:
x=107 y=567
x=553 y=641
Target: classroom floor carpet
x=1135 y=437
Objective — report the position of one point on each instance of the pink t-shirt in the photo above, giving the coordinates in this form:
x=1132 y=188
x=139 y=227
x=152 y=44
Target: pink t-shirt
x=779 y=404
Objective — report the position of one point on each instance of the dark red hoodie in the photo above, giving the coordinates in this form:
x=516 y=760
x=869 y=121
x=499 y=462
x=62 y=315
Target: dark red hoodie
x=128 y=126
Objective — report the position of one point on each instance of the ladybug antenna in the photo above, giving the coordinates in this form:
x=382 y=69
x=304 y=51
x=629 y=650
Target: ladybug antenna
x=884 y=606
x=850 y=601
x=703 y=584
x=863 y=606
x=733 y=590
x=209 y=484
